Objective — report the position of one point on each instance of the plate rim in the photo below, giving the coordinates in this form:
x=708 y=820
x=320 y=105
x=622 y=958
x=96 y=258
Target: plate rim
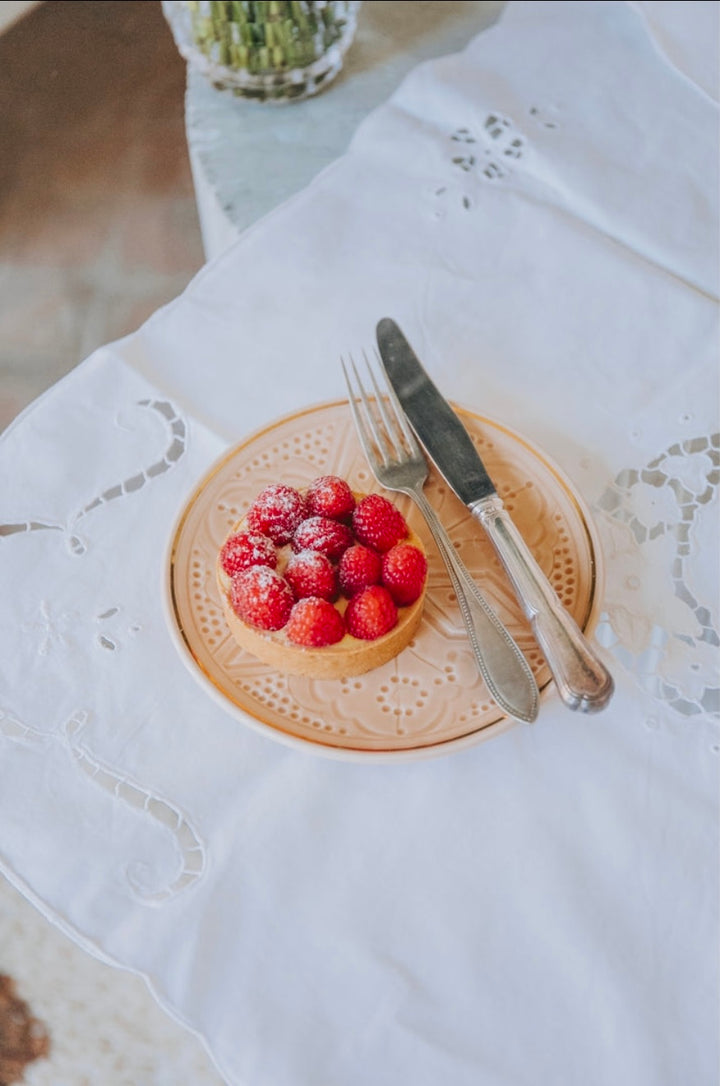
x=277 y=734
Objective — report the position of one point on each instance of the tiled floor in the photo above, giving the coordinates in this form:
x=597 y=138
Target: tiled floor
x=98 y=223
x=98 y=227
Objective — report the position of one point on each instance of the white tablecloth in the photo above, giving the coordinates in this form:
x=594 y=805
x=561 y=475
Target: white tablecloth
x=539 y=213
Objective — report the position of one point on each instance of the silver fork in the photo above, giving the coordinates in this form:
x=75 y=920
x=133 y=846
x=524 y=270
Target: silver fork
x=399 y=464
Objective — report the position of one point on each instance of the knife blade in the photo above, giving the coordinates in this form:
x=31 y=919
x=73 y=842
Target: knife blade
x=582 y=680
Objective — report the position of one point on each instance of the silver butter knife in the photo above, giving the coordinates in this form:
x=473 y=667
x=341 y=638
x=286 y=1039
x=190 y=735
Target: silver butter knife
x=398 y=463
x=582 y=679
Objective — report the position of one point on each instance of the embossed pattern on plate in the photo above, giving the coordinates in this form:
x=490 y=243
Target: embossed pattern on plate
x=429 y=699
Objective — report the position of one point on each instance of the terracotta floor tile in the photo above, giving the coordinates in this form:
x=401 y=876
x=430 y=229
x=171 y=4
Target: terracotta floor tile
x=155 y=236
x=39 y=230
x=98 y=224
x=41 y=313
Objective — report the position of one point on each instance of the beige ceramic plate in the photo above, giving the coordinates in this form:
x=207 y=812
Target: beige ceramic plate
x=429 y=700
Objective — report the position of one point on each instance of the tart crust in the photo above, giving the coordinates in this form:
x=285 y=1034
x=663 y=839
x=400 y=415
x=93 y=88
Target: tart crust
x=345 y=659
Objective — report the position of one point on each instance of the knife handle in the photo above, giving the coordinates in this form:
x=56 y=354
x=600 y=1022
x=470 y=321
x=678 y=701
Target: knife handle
x=502 y=665
x=582 y=679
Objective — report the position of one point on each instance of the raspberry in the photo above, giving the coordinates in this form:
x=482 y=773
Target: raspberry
x=245 y=549
x=330 y=496
x=322 y=534
x=261 y=597
x=378 y=524
x=358 y=568
x=277 y=511
x=310 y=573
x=314 y=622
x=403 y=572
x=371 y=613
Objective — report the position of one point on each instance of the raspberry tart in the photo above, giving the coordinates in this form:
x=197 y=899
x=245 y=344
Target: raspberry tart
x=322 y=582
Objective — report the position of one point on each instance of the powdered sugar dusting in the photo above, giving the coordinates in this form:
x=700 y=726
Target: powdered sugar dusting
x=322 y=534
x=307 y=557
x=276 y=512
x=302 y=563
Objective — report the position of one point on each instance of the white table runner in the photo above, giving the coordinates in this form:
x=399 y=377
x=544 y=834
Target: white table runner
x=539 y=214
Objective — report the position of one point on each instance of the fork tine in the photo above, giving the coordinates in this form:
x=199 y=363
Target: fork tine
x=400 y=416
x=384 y=449
x=359 y=426
x=365 y=426
x=392 y=429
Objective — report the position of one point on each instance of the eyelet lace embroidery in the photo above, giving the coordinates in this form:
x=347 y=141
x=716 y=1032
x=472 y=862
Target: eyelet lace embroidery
x=652 y=508
x=651 y=513
x=173 y=451
x=162 y=812
x=51 y=633
x=490 y=151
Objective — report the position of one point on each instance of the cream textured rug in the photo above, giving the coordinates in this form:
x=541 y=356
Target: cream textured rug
x=70 y=1020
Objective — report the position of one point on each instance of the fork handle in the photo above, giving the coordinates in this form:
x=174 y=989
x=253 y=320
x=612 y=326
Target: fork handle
x=505 y=670
x=582 y=679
